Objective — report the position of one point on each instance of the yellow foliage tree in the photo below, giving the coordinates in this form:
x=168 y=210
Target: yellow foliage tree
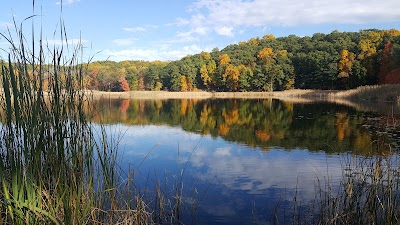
x=205 y=56
x=254 y=41
x=345 y=63
x=269 y=37
x=184 y=86
x=265 y=54
x=158 y=86
x=224 y=59
x=367 y=49
x=282 y=53
x=232 y=77
x=204 y=75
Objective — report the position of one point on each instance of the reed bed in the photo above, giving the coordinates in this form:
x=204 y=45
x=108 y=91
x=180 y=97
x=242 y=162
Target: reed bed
x=373 y=93
x=56 y=167
x=368 y=193
x=382 y=93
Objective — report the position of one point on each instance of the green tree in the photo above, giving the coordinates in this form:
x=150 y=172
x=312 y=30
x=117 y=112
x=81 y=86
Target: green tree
x=132 y=77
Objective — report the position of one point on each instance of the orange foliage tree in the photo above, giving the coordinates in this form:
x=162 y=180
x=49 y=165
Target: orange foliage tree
x=121 y=85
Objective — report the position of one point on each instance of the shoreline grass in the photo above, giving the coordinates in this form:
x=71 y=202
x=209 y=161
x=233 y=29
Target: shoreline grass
x=368 y=193
x=380 y=93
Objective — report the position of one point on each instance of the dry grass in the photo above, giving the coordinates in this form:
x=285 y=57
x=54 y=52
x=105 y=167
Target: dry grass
x=383 y=93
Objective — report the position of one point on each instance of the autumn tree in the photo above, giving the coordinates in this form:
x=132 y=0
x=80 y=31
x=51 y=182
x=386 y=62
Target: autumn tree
x=254 y=41
x=385 y=61
x=184 y=86
x=345 y=63
x=265 y=55
x=121 y=85
x=232 y=77
x=158 y=86
x=190 y=84
x=204 y=75
x=269 y=37
x=224 y=59
x=205 y=56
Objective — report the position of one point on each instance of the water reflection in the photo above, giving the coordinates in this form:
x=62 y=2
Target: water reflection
x=240 y=160
x=263 y=123
x=232 y=181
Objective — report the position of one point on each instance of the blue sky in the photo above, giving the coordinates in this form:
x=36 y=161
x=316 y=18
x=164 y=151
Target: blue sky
x=171 y=29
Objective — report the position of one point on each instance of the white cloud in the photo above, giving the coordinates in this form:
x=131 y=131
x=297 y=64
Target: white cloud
x=201 y=30
x=140 y=28
x=68 y=2
x=154 y=54
x=134 y=29
x=197 y=26
x=242 y=13
x=225 y=31
x=182 y=37
x=124 y=41
x=179 y=22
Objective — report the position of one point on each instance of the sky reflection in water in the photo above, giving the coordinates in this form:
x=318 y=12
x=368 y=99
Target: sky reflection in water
x=239 y=159
x=236 y=179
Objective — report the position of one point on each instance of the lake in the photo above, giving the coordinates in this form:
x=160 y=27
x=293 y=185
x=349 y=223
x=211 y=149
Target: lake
x=239 y=161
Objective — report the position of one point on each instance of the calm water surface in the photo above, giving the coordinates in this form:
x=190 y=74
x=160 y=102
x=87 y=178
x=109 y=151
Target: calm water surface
x=243 y=161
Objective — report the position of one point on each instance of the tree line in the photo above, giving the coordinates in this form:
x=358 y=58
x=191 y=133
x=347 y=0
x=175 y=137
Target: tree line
x=339 y=60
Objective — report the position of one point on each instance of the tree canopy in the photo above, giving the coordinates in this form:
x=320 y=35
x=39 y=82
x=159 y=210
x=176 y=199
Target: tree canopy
x=338 y=60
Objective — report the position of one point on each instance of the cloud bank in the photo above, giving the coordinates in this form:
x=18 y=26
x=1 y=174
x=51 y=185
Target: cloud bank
x=291 y=12
x=163 y=54
x=225 y=17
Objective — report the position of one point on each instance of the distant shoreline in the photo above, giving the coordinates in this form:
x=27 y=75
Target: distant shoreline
x=382 y=93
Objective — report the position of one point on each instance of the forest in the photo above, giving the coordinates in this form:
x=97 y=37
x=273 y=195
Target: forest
x=339 y=60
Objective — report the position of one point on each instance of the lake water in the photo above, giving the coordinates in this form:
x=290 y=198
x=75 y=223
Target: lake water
x=244 y=161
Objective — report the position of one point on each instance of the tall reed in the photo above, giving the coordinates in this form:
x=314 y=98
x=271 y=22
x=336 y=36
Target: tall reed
x=48 y=160
x=56 y=167
x=368 y=193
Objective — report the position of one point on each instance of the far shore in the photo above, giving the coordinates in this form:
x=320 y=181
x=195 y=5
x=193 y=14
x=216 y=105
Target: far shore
x=381 y=93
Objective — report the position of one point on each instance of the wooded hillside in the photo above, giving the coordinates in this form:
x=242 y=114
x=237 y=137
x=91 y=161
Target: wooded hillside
x=339 y=60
